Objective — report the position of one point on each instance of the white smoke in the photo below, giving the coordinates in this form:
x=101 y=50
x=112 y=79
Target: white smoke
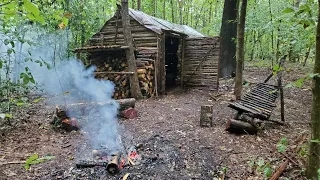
x=69 y=81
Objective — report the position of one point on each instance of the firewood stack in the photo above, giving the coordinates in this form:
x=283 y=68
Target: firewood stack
x=116 y=70
x=121 y=81
x=145 y=70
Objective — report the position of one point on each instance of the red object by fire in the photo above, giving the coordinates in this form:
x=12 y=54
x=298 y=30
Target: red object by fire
x=71 y=124
x=130 y=113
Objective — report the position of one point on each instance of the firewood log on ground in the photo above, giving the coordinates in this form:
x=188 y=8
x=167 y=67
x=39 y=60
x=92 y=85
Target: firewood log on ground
x=237 y=126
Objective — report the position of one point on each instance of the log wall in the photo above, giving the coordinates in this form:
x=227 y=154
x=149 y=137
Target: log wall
x=201 y=62
x=112 y=34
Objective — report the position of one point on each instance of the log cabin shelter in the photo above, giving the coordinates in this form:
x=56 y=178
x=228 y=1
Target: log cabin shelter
x=167 y=55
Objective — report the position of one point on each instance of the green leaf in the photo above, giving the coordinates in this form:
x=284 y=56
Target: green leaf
x=31 y=79
x=282 y=145
x=30 y=7
x=65 y=21
x=260 y=163
x=27 y=59
x=39 y=62
x=1 y=64
x=313 y=75
x=315 y=140
x=10 y=51
x=281 y=148
x=267 y=172
x=289 y=85
x=284 y=141
x=288 y=10
x=8 y=115
x=20 y=104
x=29 y=160
x=37 y=100
x=299 y=82
x=6 y=41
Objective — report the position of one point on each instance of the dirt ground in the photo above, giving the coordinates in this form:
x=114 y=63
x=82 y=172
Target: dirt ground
x=174 y=145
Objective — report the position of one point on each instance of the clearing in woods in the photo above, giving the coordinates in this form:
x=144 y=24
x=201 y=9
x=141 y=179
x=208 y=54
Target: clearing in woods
x=174 y=145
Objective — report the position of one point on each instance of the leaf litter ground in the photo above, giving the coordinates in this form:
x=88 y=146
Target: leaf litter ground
x=174 y=145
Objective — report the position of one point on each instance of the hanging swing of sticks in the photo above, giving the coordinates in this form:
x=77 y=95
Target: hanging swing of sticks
x=257 y=105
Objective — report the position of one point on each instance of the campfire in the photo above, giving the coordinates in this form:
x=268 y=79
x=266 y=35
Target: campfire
x=114 y=162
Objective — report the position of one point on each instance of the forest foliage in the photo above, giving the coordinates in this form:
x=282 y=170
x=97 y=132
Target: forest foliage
x=273 y=28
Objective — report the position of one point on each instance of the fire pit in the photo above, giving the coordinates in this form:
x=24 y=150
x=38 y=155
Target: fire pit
x=113 y=163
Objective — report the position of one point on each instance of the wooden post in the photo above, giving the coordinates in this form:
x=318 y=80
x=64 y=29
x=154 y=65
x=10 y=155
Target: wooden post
x=206 y=116
x=132 y=67
x=281 y=88
x=163 y=66
x=182 y=60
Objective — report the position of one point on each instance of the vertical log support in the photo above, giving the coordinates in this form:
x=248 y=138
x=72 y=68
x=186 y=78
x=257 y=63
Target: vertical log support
x=206 y=115
x=281 y=88
x=132 y=67
x=163 y=66
x=182 y=60
x=158 y=63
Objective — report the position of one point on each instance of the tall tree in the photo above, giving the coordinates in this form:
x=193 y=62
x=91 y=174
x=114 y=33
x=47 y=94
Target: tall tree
x=139 y=5
x=134 y=82
x=228 y=33
x=314 y=147
x=172 y=11
x=164 y=9
x=240 y=48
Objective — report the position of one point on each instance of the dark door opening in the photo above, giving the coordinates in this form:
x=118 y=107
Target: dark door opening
x=172 y=61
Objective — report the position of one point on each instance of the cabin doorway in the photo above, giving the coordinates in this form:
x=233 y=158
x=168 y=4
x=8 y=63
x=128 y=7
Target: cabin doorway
x=171 y=61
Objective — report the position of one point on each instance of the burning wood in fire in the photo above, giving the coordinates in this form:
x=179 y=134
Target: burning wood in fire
x=113 y=163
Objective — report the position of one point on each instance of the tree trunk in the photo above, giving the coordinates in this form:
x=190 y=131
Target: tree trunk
x=134 y=82
x=154 y=7
x=240 y=49
x=306 y=57
x=314 y=147
x=228 y=33
x=180 y=11
x=164 y=9
x=139 y=5
x=271 y=21
x=132 y=4
x=172 y=11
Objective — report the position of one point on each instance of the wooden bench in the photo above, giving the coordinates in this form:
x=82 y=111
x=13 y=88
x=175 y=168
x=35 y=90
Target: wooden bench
x=257 y=104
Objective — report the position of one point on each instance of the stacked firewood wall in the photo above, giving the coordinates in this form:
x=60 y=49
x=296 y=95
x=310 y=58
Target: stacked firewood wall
x=146 y=70
x=114 y=68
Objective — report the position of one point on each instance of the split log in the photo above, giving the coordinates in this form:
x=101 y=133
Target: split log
x=123 y=103
x=280 y=170
x=206 y=116
x=240 y=127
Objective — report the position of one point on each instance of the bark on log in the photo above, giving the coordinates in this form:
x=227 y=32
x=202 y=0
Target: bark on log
x=280 y=170
x=134 y=82
x=240 y=127
x=206 y=116
x=123 y=103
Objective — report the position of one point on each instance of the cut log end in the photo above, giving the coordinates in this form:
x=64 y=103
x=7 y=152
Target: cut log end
x=240 y=127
